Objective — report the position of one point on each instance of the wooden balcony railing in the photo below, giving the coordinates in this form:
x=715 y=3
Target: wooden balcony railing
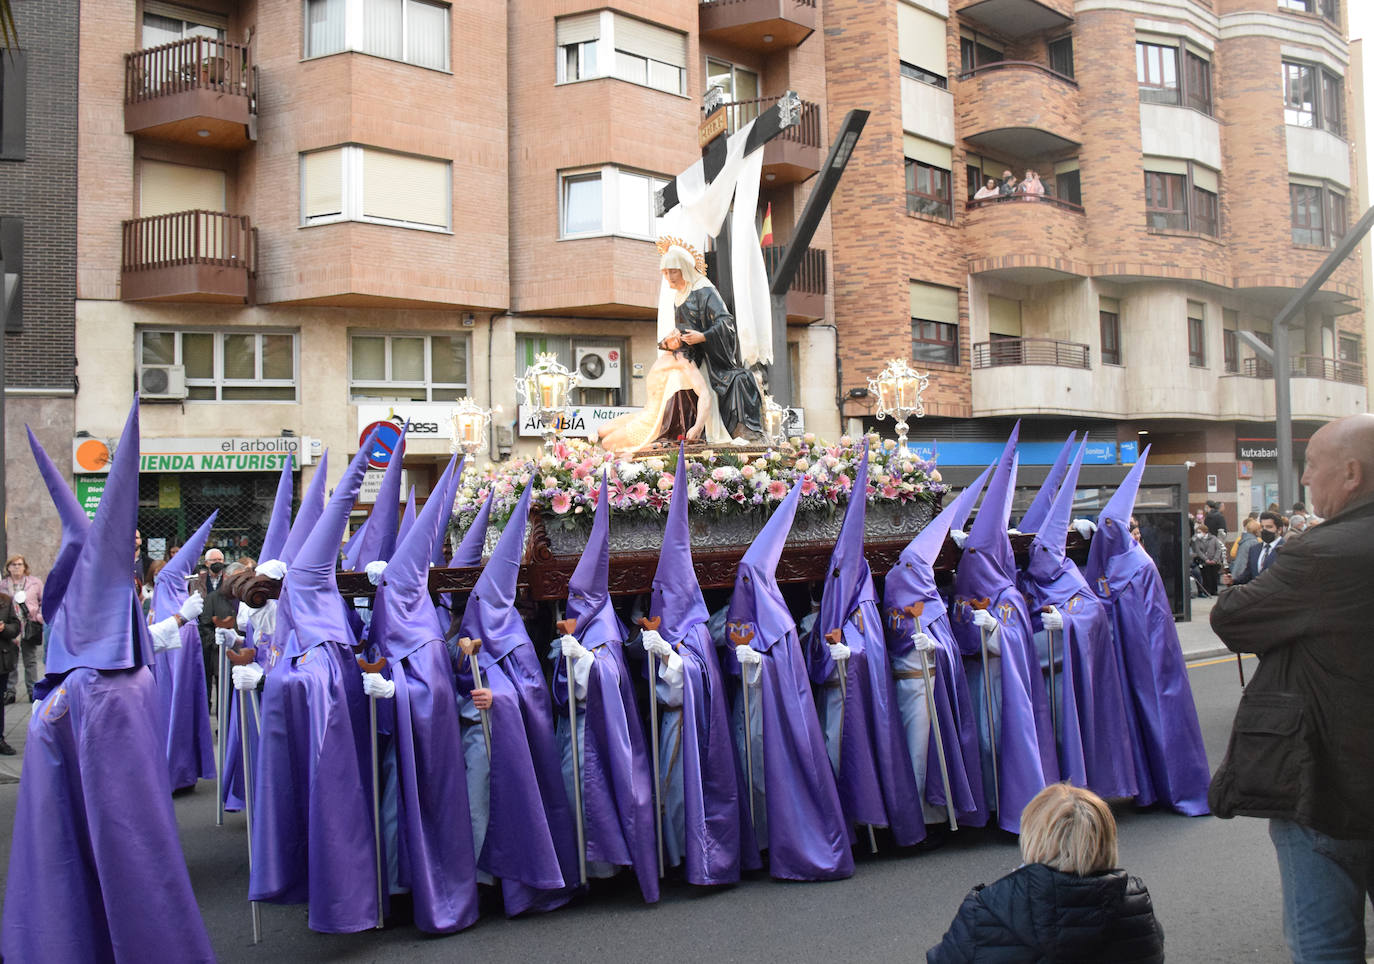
x=987 y=202
x=1031 y=351
x=196 y=63
x=806 y=131
x=810 y=276
x=1308 y=366
x=190 y=238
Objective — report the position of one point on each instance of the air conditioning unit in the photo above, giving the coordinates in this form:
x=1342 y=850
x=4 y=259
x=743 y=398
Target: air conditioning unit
x=597 y=366
x=162 y=382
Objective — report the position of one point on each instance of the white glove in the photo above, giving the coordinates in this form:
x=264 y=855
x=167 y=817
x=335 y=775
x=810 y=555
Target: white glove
x=748 y=656
x=959 y=536
x=572 y=648
x=226 y=637
x=375 y=684
x=1052 y=619
x=166 y=634
x=272 y=569
x=838 y=651
x=1085 y=527
x=984 y=620
x=192 y=607
x=656 y=644
x=923 y=643
x=374 y=571
x=264 y=619
x=247 y=676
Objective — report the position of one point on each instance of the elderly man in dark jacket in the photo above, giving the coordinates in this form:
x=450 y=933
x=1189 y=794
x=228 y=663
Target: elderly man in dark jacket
x=1302 y=747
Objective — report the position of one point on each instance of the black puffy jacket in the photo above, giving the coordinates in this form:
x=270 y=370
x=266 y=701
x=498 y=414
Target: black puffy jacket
x=1037 y=913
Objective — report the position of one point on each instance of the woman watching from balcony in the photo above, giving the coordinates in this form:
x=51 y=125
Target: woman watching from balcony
x=1032 y=185
x=987 y=190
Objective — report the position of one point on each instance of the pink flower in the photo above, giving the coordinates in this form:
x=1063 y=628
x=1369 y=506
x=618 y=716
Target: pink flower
x=747 y=471
x=777 y=489
x=639 y=491
x=711 y=489
x=580 y=472
x=845 y=482
x=561 y=502
x=889 y=492
x=809 y=486
x=665 y=483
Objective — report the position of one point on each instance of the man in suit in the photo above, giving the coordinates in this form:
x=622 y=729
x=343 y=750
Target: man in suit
x=1262 y=553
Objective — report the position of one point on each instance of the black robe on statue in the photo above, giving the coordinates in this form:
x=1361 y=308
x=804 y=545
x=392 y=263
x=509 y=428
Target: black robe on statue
x=737 y=392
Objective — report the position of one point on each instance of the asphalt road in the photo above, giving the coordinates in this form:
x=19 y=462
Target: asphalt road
x=1214 y=884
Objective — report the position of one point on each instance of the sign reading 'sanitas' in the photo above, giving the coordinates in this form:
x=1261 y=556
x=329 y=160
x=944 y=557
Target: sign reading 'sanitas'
x=225 y=454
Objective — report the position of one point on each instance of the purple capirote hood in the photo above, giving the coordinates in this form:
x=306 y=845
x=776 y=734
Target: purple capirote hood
x=490 y=614
x=75 y=526
x=312 y=504
x=589 y=594
x=1040 y=505
x=279 y=525
x=848 y=580
x=912 y=579
x=757 y=604
x=169 y=588
x=677 y=601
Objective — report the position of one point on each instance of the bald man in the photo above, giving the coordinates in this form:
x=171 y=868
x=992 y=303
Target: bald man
x=1302 y=747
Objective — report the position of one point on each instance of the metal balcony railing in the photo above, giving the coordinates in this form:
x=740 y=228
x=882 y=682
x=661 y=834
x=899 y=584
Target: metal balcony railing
x=1308 y=366
x=1031 y=351
x=810 y=277
x=190 y=237
x=196 y=63
x=807 y=131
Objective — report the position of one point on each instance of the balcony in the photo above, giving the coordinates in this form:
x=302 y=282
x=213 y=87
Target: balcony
x=1031 y=351
x=197 y=91
x=806 y=297
x=792 y=156
x=1018 y=18
x=761 y=26
x=203 y=256
x=1026 y=239
x=1321 y=388
x=1019 y=109
x=1033 y=375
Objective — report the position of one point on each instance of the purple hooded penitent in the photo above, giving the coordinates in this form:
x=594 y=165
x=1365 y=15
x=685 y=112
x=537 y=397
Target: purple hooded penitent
x=407 y=516
x=180 y=672
x=874 y=778
x=808 y=838
x=717 y=838
x=1026 y=757
x=911 y=582
x=469 y=551
x=1040 y=505
x=1170 y=759
x=1094 y=732
x=312 y=806
x=75 y=525
x=378 y=535
x=279 y=525
x=96 y=868
x=312 y=506
x=433 y=841
x=617 y=780
x=530 y=843
x=446 y=497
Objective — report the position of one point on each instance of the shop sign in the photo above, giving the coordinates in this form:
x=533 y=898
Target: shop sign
x=579 y=422
x=428 y=420
x=372 y=486
x=89 y=489
x=1267 y=449
x=219 y=454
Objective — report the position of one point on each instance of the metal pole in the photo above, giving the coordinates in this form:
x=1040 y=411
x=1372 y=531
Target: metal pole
x=242 y=658
x=1054 y=701
x=742 y=639
x=476 y=645
x=651 y=624
x=987 y=705
x=376 y=786
x=914 y=612
x=221 y=737
x=566 y=628
x=842 y=669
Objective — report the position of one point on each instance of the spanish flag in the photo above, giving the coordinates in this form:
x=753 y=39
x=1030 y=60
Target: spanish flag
x=766 y=235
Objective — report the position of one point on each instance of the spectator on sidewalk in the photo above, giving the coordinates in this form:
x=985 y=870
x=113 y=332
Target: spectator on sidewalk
x=9 y=657
x=1240 y=552
x=1214 y=520
x=217 y=606
x=1263 y=553
x=26 y=590
x=1209 y=554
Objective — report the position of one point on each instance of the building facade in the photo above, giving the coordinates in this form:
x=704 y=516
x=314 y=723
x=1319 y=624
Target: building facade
x=1197 y=167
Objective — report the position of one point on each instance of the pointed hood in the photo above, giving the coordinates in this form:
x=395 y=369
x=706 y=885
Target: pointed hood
x=912 y=579
x=169 y=588
x=757 y=599
x=354 y=543
x=310 y=602
x=847 y=578
x=1054 y=531
x=490 y=614
x=446 y=498
x=312 y=504
x=469 y=551
x=403 y=618
x=676 y=598
x=1040 y=505
x=407 y=517
x=987 y=558
x=589 y=594
x=1113 y=535
x=380 y=538
x=75 y=526
x=100 y=622
x=279 y=525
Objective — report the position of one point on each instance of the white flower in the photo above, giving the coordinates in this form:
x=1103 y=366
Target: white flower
x=629 y=471
x=655 y=465
x=547 y=463
x=760 y=463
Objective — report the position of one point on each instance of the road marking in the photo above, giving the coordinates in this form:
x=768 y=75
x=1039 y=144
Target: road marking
x=1219 y=659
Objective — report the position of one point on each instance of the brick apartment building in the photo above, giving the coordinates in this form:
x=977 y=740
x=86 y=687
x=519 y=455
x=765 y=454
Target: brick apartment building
x=1198 y=166
x=299 y=217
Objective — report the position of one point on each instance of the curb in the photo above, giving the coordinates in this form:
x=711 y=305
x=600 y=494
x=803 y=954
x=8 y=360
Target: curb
x=1202 y=654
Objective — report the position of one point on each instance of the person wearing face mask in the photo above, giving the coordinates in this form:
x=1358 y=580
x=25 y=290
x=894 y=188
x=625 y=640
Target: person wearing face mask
x=1262 y=553
x=218 y=606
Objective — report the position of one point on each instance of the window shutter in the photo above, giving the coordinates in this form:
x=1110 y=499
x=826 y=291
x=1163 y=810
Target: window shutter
x=404 y=188
x=187 y=14
x=921 y=38
x=933 y=303
x=322 y=183
x=164 y=188
x=1205 y=178
x=650 y=40
x=927 y=152
x=13 y=78
x=12 y=272
x=1004 y=316
x=1166 y=165
x=1064 y=167
x=579 y=28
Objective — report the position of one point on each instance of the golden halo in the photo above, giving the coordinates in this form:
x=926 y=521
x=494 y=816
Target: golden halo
x=668 y=241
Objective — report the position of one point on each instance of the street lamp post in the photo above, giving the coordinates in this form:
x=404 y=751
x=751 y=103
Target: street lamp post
x=470 y=422
x=898 y=389
x=547 y=387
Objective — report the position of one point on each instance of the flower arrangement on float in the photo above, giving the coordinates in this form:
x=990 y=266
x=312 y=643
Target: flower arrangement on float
x=721 y=482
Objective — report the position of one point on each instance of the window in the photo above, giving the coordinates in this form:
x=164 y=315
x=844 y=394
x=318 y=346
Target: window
x=1109 y=327
x=609 y=200
x=12 y=276
x=1158 y=77
x=353 y=183
x=604 y=43
x=740 y=88
x=921 y=45
x=934 y=324
x=1230 y=351
x=1061 y=56
x=973 y=53
x=415 y=368
x=13 y=77
x=1067 y=186
x=1205 y=216
x=928 y=182
x=1348 y=348
x=164 y=23
x=1313 y=97
x=1166 y=204
x=1181 y=196
x=1197 y=332
x=527 y=346
x=413 y=31
x=1319 y=214
x=227 y=366
x=1327 y=9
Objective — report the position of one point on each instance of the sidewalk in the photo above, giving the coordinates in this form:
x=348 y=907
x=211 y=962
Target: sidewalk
x=1196 y=637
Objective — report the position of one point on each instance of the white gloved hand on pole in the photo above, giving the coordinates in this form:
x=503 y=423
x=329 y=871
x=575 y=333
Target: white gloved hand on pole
x=192 y=607
x=838 y=651
x=656 y=644
x=922 y=642
x=582 y=664
x=374 y=571
x=247 y=676
x=272 y=569
x=1052 y=618
x=959 y=536
x=226 y=637
x=574 y=649
x=377 y=685
x=1085 y=527
x=166 y=634
x=984 y=620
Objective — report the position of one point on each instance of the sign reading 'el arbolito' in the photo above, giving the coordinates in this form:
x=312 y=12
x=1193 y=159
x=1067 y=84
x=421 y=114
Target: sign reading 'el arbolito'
x=223 y=454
